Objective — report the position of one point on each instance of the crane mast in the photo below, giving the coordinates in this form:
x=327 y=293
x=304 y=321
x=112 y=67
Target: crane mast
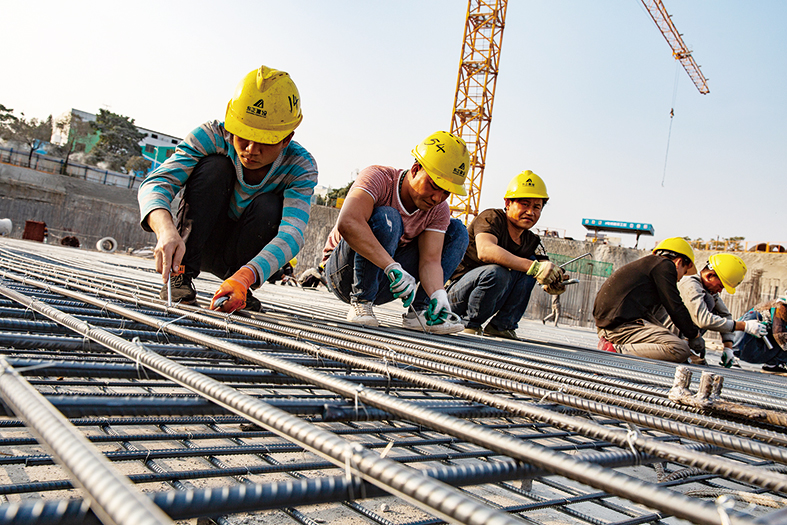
x=679 y=50
x=475 y=94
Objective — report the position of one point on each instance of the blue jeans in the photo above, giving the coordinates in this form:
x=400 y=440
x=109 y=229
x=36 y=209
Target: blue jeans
x=752 y=349
x=352 y=278
x=488 y=289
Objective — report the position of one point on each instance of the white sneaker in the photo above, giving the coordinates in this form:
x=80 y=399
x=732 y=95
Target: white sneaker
x=362 y=313
x=451 y=325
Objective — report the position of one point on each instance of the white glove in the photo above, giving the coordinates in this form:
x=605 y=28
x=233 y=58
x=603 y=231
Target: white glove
x=439 y=307
x=545 y=272
x=755 y=328
x=402 y=285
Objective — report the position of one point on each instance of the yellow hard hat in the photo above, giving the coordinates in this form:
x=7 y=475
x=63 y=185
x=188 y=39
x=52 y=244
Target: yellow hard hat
x=527 y=185
x=265 y=108
x=445 y=158
x=730 y=268
x=678 y=245
x=293 y=261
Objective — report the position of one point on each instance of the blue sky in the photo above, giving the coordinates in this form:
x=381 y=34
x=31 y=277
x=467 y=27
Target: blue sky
x=583 y=95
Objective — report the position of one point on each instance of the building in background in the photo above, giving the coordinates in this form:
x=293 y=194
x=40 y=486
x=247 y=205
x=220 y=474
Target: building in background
x=156 y=147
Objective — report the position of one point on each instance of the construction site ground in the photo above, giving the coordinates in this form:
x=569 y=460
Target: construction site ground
x=309 y=419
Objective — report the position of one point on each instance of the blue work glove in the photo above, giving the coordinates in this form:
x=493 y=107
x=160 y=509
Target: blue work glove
x=439 y=308
x=402 y=285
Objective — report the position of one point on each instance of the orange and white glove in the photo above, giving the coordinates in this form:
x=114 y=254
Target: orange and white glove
x=235 y=288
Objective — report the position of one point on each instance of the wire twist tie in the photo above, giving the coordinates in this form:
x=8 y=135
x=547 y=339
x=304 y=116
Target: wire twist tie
x=358 y=390
x=137 y=363
x=546 y=396
x=631 y=437
x=724 y=503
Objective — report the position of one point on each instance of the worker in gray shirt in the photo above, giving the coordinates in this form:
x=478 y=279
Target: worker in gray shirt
x=700 y=294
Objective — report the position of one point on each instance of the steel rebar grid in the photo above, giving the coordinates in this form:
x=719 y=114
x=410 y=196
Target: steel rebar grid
x=611 y=482
x=450 y=338
x=116 y=500
x=434 y=497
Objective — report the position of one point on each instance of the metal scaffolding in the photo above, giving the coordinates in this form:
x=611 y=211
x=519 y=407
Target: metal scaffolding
x=293 y=415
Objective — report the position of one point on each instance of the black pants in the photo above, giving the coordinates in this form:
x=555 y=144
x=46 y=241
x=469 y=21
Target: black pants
x=216 y=243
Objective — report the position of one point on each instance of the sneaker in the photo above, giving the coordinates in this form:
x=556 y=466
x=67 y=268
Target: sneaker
x=182 y=290
x=605 y=345
x=413 y=321
x=361 y=312
x=474 y=331
x=775 y=369
x=491 y=331
x=252 y=303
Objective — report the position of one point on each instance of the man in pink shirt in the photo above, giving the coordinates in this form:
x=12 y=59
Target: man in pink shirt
x=395 y=229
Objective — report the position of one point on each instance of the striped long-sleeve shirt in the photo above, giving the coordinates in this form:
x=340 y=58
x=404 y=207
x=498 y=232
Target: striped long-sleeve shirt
x=293 y=173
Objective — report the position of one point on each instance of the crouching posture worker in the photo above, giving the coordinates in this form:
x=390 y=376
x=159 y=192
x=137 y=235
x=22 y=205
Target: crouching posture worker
x=700 y=294
x=626 y=307
x=770 y=348
x=395 y=230
x=504 y=260
x=247 y=190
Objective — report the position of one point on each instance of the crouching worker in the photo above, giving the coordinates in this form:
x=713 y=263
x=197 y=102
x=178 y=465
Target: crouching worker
x=395 y=230
x=504 y=260
x=247 y=190
x=700 y=294
x=770 y=348
x=626 y=307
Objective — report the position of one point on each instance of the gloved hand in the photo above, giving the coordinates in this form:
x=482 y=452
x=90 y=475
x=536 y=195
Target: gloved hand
x=697 y=345
x=755 y=328
x=402 y=285
x=555 y=288
x=439 y=308
x=727 y=357
x=545 y=272
x=236 y=288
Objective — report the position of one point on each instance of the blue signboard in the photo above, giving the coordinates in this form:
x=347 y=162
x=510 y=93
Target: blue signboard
x=638 y=228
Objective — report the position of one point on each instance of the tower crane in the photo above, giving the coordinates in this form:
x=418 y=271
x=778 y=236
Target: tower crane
x=475 y=85
x=475 y=94
x=679 y=50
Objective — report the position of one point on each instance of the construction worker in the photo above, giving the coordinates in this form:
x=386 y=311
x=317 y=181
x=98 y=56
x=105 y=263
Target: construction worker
x=246 y=199
x=394 y=230
x=626 y=307
x=700 y=294
x=769 y=348
x=504 y=259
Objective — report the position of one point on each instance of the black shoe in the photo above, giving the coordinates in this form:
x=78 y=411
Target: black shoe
x=775 y=369
x=252 y=303
x=182 y=290
x=491 y=331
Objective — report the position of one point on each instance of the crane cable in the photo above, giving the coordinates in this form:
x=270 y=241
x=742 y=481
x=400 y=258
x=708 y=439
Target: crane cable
x=671 y=116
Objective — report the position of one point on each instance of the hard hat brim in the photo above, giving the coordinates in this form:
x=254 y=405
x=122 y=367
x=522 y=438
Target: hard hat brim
x=262 y=136
x=456 y=189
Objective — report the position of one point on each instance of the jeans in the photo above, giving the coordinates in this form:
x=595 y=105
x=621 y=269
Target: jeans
x=488 y=289
x=752 y=349
x=216 y=243
x=352 y=278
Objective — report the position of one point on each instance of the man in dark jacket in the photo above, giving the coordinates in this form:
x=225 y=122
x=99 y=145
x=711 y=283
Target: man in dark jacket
x=626 y=307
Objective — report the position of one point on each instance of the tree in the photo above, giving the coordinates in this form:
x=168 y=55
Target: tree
x=77 y=130
x=138 y=165
x=338 y=193
x=118 y=140
x=33 y=132
x=6 y=118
